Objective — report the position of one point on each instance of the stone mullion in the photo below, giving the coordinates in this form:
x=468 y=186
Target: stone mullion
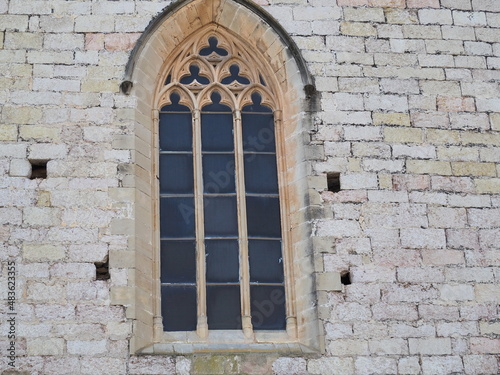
x=202 y=324
x=246 y=317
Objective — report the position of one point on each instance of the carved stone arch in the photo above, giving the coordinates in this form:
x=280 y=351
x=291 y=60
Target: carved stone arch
x=204 y=97
x=245 y=98
x=242 y=25
x=191 y=15
x=186 y=96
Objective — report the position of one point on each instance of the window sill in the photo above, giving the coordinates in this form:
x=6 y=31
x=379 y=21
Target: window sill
x=182 y=343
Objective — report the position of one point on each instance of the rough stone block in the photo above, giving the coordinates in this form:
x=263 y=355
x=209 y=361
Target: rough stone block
x=430 y=346
x=41 y=252
x=45 y=346
x=20 y=168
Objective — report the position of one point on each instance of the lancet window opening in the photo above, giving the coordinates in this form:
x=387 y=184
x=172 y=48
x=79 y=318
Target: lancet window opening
x=223 y=240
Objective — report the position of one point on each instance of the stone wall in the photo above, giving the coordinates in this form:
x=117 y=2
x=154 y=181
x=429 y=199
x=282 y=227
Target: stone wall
x=409 y=115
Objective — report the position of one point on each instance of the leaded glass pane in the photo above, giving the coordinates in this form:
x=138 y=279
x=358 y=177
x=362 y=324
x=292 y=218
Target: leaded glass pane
x=268 y=307
x=223 y=307
x=178 y=305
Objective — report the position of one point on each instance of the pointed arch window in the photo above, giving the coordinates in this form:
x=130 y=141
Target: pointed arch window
x=222 y=239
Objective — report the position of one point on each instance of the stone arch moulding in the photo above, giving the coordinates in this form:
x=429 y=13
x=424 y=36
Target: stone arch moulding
x=283 y=67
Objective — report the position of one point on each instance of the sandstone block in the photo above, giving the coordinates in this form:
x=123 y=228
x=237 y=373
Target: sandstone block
x=41 y=216
x=357 y=29
x=435 y=16
x=21 y=115
x=283 y=366
x=39 y=133
x=330 y=366
x=43 y=252
x=20 y=168
x=375 y=365
x=430 y=346
x=153 y=364
x=45 y=346
x=342 y=347
x=480 y=364
x=441 y=365
x=490 y=185
x=482 y=345
x=423 y=238
x=409 y=365
x=460 y=292
x=87 y=348
x=444 y=217
x=487 y=292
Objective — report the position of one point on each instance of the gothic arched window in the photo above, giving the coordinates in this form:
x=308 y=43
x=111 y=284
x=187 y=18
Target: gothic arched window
x=223 y=264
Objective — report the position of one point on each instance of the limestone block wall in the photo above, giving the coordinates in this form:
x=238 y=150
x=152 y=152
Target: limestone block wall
x=407 y=115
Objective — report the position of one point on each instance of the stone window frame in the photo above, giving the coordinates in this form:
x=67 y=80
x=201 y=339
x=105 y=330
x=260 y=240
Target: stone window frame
x=259 y=33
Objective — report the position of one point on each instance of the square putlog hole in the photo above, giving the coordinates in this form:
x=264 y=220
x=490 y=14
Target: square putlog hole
x=102 y=270
x=345 y=278
x=38 y=169
x=333 y=181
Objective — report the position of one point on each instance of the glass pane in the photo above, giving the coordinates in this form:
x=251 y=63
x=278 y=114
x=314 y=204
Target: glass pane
x=176 y=174
x=213 y=48
x=175 y=106
x=258 y=132
x=222 y=259
x=217 y=132
x=266 y=262
x=260 y=174
x=223 y=307
x=177 y=217
x=218 y=174
x=235 y=76
x=263 y=217
x=256 y=106
x=178 y=261
x=178 y=305
x=268 y=307
x=220 y=216
x=176 y=132
x=194 y=76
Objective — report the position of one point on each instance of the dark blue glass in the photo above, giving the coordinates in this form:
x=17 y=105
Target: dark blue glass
x=175 y=106
x=235 y=76
x=266 y=261
x=217 y=132
x=195 y=76
x=261 y=175
x=176 y=132
x=178 y=261
x=263 y=217
x=218 y=173
x=256 y=106
x=216 y=105
x=268 y=307
x=212 y=47
x=177 y=217
x=176 y=174
x=179 y=310
x=223 y=307
x=222 y=259
x=258 y=132
x=220 y=216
